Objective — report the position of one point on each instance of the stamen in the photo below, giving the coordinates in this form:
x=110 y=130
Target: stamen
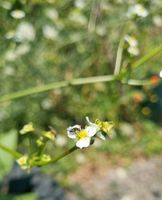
x=82 y=134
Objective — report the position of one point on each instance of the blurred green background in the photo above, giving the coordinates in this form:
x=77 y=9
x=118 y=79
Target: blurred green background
x=45 y=41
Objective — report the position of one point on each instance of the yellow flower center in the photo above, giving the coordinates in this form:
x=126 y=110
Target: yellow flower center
x=82 y=134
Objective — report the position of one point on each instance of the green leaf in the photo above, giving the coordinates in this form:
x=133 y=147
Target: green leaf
x=9 y=140
x=30 y=196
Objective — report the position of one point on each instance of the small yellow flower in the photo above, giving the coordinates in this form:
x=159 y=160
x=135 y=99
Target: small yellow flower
x=105 y=126
x=22 y=161
x=49 y=134
x=27 y=128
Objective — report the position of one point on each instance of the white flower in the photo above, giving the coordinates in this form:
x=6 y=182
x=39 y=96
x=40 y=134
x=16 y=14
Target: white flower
x=131 y=40
x=52 y=13
x=160 y=74
x=13 y=54
x=133 y=50
x=25 y=32
x=9 y=71
x=83 y=136
x=46 y=103
x=78 y=18
x=157 y=20
x=61 y=140
x=80 y=3
x=10 y=55
x=18 y=14
x=10 y=34
x=97 y=127
x=138 y=10
x=50 y=32
x=133 y=45
x=101 y=30
x=22 y=49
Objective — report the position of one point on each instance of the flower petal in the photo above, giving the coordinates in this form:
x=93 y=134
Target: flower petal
x=71 y=134
x=71 y=131
x=101 y=135
x=91 y=130
x=84 y=142
x=88 y=121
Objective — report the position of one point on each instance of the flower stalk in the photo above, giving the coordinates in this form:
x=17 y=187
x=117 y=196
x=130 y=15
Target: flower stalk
x=13 y=153
x=66 y=153
x=83 y=136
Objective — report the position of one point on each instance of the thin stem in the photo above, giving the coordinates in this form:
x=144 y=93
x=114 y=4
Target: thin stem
x=43 y=150
x=33 y=90
x=61 y=84
x=64 y=154
x=55 y=85
x=135 y=82
x=80 y=81
x=148 y=56
x=119 y=56
x=15 y=154
x=69 y=151
x=93 y=16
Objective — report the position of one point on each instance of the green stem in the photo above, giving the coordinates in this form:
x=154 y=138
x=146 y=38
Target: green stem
x=120 y=51
x=43 y=150
x=55 y=85
x=148 y=56
x=69 y=151
x=134 y=82
x=15 y=154
x=60 y=84
x=64 y=154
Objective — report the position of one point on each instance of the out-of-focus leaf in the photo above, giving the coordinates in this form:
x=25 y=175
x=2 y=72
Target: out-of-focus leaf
x=19 y=197
x=6 y=160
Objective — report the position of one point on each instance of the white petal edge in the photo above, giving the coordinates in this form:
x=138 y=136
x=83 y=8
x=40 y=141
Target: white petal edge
x=85 y=142
x=74 y=127
x=71 y=135
x=71 y=131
